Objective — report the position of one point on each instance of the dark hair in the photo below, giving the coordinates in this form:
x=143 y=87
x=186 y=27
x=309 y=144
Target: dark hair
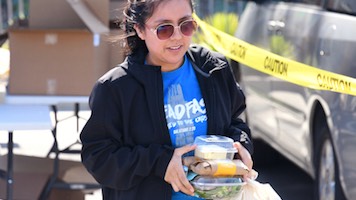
x=137 y=12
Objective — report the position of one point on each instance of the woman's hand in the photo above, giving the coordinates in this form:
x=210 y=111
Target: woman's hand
x=245 y=157
x=175 y=174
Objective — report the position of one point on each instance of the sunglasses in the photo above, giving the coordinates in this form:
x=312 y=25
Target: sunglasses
x=166 y=30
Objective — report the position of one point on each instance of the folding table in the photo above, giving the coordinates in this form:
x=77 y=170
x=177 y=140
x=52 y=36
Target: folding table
x=21 y=117
x=51 y=103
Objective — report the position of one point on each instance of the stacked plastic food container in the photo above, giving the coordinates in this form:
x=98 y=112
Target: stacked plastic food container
x=213 y=171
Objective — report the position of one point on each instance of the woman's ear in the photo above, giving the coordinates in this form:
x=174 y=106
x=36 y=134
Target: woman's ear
x=139 y=32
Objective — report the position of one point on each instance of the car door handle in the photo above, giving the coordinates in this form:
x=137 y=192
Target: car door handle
x=276 y=25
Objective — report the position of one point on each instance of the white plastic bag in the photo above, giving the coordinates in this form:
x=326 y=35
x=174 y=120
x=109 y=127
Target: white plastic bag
x=254 y=190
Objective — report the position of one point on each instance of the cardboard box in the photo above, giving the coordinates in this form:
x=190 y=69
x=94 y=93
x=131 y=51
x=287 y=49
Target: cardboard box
x=117 y=52
x=63 y=51
x=32 y=173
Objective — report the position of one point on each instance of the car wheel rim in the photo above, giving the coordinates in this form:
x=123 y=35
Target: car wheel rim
x=327 y=173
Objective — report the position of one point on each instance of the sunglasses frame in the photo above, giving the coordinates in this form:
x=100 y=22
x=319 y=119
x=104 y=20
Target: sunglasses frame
x=154 y=30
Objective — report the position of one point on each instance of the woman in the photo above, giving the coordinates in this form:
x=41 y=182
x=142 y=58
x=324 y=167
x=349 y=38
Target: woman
x=147 y=111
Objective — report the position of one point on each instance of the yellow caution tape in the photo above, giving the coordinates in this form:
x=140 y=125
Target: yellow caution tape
x=275 y=65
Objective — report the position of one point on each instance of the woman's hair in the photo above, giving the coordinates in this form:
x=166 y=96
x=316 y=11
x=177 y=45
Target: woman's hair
x=137 y=12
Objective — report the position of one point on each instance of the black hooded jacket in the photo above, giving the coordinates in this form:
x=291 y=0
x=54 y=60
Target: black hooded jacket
x=126 y=142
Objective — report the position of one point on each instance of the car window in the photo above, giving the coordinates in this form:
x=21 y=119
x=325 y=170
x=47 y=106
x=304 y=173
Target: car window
x=309 y=2
x=342 y=6
x=313 y=2
x=206 y=8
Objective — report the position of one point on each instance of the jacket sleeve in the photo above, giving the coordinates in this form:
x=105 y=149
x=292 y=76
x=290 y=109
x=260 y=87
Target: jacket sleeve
x=238 y=128
x=108 y=159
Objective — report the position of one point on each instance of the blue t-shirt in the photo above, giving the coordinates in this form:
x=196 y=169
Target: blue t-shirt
x=184 y=105
x=185 y=110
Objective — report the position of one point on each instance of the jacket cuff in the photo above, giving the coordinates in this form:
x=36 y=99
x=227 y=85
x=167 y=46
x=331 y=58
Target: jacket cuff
x=246 y=141
x=163 y=161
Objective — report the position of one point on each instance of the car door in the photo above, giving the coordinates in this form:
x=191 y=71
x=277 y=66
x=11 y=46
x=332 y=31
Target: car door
x=255 y=84
x=298 y=21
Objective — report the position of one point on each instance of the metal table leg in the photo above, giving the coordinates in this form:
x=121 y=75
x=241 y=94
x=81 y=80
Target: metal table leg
x=47 y=189
x=10 y=172
x=53 y=182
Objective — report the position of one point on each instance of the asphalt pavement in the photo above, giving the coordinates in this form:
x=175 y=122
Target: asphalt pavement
x=287 y=179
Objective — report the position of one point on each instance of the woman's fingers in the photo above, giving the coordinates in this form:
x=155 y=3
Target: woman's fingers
x=175 y=174
x=175 y=188
x=244 y=155
x=186 y=187
x=246 y=159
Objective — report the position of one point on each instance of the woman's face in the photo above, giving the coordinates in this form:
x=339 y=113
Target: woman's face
x=167 y=53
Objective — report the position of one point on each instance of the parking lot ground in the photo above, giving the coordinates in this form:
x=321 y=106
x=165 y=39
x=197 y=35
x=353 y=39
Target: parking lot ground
x=287 y=179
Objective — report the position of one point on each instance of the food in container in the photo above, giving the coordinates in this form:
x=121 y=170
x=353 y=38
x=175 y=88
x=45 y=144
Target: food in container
x=218 y=167
x=216 y=187
x=214 y=147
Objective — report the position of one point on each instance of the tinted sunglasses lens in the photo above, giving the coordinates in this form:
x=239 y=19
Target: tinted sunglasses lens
x=165 y=31
x=188 y=28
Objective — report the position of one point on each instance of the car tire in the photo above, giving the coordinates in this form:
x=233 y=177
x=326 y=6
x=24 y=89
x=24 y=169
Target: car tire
x=327 y=184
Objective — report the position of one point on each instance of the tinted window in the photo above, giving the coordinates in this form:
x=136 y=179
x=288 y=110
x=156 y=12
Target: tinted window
x=343 y=6
x=309 y=2
x=208 y=7
x=313 y=2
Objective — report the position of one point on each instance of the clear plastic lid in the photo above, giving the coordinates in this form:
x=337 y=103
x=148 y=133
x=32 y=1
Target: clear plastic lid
x=209 y=181
x=214 y=147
